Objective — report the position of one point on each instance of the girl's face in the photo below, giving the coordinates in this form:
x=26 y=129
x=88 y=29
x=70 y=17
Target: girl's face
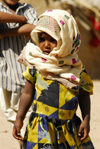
x=11 y=2
x=46 y=42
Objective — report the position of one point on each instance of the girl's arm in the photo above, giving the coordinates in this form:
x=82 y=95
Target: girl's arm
x=24 y=105
x=11 y=18
x=84 y=103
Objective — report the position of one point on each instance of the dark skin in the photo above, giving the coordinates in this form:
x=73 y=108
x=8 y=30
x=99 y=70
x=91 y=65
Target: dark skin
x=84 y=103
x=25 y=102
x=7 y=17
x=46 y=44
x=24 y=29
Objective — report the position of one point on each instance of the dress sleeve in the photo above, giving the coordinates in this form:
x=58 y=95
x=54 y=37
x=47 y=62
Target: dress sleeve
x=30 y=75
x=30 y=15
x=86 y=82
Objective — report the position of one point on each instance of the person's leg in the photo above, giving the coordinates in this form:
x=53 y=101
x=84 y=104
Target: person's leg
x=9 y=105
x=5 y=97
x=3 y=105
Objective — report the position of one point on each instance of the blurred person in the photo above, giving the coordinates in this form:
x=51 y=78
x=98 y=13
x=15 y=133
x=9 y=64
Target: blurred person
x=16 y=22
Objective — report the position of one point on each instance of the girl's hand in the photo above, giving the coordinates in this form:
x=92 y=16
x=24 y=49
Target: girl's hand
x=17 y=128
x=84 y=130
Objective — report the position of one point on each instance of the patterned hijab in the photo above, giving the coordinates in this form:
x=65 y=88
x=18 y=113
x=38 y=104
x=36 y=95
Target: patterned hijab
x=62 y=63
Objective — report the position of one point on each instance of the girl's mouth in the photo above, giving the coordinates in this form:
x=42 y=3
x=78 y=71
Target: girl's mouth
x=46 y=52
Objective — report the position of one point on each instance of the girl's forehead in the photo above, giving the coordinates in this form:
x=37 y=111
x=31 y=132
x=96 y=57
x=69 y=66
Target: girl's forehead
x=44 y=34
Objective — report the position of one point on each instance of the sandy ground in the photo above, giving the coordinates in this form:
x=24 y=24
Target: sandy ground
x=8 y=142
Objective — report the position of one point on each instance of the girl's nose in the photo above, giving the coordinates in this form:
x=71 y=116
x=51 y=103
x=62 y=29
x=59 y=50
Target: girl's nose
x=47 y=43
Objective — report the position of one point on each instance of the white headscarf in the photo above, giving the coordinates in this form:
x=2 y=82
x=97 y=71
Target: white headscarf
x=62 y=63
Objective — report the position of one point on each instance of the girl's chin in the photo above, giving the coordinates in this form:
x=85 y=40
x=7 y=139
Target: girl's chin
x=46 y=53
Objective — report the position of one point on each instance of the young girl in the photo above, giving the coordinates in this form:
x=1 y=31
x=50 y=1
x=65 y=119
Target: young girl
x=59 y=81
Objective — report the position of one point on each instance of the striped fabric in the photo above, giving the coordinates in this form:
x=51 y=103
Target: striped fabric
x=10 y=48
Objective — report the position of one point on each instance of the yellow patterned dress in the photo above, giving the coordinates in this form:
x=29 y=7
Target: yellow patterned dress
x=53 y=123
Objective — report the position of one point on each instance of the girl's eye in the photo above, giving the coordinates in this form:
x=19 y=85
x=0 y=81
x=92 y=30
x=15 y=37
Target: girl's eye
x=52 y=40
x=41 y=39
